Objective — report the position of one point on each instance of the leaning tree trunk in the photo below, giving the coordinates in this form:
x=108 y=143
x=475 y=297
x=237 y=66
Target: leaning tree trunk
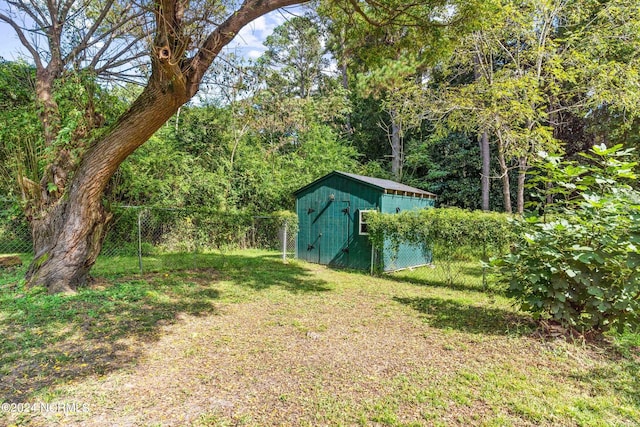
x=68 y=237
x=66 y=250
x=69 y=229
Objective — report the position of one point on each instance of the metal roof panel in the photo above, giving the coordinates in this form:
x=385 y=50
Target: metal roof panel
x=382 y=184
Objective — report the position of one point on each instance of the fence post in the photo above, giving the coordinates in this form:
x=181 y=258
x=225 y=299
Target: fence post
x=195 y=243
x=284 y=242
x=484 y=266
x=140 y=239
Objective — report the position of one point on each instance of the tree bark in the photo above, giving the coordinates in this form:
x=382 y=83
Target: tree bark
x=68 y=231
x=506 y=185
x=522 y=174
x=344 y=74
x=68 y=237
x=65 y=252
x=47 y=105
x=396 y=148
x=485 y=151
x=485 y=154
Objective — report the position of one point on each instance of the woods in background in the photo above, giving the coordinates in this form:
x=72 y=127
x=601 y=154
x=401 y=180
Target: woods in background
x=456 y=98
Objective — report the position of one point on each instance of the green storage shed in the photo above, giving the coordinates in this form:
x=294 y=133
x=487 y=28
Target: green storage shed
x=331 y=226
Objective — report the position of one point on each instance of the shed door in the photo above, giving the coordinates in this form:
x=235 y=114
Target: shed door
x=312 y=237
x=329 y=234
x=339 y=231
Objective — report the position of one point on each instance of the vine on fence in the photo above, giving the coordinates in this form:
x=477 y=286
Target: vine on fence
x=445 y=228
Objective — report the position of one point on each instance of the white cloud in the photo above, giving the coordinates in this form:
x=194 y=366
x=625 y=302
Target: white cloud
x=254 y=54
x=246 y=39
x=250 y=39
x=259 y=24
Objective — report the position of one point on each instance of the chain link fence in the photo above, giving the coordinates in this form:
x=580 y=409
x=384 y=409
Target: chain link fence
x=140 y=238
x=456 y=267
x=15 y=235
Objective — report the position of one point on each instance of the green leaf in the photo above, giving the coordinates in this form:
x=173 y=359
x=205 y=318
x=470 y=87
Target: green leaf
x=633 y=260
x=584 y=257
x=596 y=292
x=51 y=187
x=560 y=296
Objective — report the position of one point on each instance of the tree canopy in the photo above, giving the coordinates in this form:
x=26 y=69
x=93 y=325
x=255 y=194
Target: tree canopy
x=385 y=88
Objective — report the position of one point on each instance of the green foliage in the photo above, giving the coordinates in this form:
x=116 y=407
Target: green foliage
x=160 y=174
x=294 y=61
x=16 y=84
x=288 y=218
x=429 y=165
x=206 y=229
x=448 y=227
x=577 y=261
x=19 y=126
x=167 y=230
x=14 y=231
x=382 y=31
x=82 y=108
x=442 y=230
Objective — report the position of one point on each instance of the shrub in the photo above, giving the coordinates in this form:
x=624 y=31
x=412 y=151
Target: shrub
x=446 y=229
x=576 y=260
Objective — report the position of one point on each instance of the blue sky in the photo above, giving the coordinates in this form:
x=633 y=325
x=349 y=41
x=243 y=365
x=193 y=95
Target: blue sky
x=9 y=43
x=247 y=43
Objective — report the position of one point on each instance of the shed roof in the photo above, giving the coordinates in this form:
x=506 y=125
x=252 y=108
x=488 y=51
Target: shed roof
x=385 y=185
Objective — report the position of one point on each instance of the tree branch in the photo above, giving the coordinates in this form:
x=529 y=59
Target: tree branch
x=222 y=35
x=87 y=37
x=116 y=56
x=52 y=12
x=39 y=19
x=23 y=40
x=65 y=10
x=115 y=64
x=114 y=30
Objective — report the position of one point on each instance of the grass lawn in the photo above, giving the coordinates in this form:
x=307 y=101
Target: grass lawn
x=244 y=339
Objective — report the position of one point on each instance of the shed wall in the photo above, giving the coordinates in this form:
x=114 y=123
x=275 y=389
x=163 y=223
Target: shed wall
x=407 y=255
x=328 y=226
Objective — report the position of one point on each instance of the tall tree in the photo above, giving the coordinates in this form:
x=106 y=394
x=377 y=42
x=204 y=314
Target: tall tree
x=294 y=60
x=511 y=62
x=389 y=53
x=175 y=42
x=540 y=69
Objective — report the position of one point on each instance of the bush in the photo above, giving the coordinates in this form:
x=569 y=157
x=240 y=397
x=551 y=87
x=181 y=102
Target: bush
x=576 y=260
x=448 y=228
x=444 y=229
